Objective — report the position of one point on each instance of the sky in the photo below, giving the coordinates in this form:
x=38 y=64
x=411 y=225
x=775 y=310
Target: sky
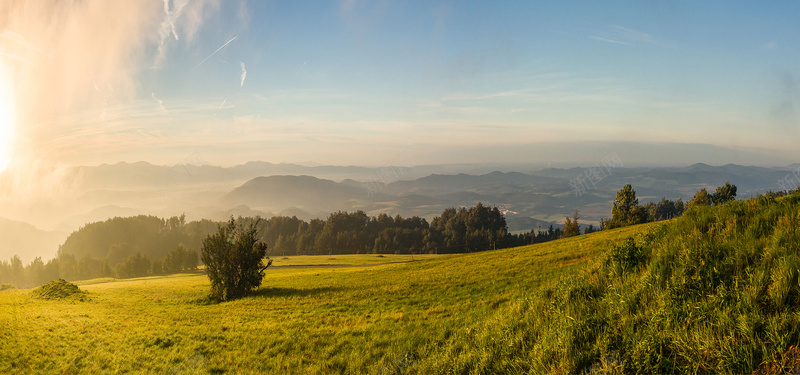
x=363 y=82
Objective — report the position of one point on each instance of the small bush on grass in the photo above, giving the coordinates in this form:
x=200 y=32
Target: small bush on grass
x=58 y=289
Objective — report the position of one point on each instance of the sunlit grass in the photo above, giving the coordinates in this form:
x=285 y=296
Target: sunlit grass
x=350 y=259
x=351 y=320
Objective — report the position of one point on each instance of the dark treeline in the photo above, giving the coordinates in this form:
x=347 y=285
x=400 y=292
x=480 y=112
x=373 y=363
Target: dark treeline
x=455 y=231
x=147 y=245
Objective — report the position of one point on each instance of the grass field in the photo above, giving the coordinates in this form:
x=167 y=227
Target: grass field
x=350 y=259
x=422 y=316
x=714 y=291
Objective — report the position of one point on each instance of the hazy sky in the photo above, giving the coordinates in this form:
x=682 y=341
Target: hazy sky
x=363 y=81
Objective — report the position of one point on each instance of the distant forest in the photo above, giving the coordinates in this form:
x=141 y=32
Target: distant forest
x=149 y=245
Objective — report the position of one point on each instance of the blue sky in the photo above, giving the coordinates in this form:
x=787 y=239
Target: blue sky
x=358 y=81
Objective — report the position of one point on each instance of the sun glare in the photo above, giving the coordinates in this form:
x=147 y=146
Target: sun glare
x=7 y=117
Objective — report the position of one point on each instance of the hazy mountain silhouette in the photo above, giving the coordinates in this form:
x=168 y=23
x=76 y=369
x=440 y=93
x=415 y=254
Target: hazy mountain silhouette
x=27 y=241
x=304 y=192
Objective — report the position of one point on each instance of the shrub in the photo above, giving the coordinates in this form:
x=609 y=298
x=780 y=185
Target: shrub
x=627 y=257
x=57 y=289
x=234 y=260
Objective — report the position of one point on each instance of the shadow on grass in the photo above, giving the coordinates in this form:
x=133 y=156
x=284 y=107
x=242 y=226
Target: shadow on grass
x=272 y=292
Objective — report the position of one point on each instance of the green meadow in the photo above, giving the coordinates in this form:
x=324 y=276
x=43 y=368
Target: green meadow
x=380 y=319
x=715 y=291
x=350 y=259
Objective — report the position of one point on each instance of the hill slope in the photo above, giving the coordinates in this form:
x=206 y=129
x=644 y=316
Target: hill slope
x=347 y=320
x=305 y=192
x=714 y=291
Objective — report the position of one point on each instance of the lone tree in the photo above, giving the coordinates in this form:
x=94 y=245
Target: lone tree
x=234 y=260
x=571 y=227
x=626 y=210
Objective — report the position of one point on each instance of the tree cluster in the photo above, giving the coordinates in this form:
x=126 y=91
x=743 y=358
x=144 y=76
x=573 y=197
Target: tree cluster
x=126 y=247
x=724 y=193
x=118 y=238
x=627 y=211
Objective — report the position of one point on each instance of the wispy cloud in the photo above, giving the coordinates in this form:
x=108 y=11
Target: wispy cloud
x=622 y=35
x=159 y=101
x=244 y=73
x=168 y=18
x=168 y=27
x=182 y=19
x=607 y=40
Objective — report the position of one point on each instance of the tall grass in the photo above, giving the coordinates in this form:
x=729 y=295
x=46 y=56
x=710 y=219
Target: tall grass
x=715 y=291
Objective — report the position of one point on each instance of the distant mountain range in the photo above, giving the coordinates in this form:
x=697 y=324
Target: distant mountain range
x=547 y=196
x=530 y=200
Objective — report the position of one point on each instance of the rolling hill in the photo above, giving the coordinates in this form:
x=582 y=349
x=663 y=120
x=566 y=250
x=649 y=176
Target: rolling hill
x=713 y=291
x=303 y=192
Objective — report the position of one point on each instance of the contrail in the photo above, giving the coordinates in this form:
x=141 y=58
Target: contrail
x=244 y=73
x=213 y=53
x=224 y=101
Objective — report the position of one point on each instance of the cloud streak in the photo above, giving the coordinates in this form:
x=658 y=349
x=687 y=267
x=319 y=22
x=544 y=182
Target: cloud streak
x=159 y=101
x=244 y=74
x=622 y=35
x=182 y=18
x=607 y=40
x=214 y=53
x=168 y=20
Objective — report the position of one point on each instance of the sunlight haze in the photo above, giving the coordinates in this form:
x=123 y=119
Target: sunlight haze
x=337 y=82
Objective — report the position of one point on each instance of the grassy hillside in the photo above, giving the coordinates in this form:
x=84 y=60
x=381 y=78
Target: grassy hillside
x=714 y=291
x=382 y=319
